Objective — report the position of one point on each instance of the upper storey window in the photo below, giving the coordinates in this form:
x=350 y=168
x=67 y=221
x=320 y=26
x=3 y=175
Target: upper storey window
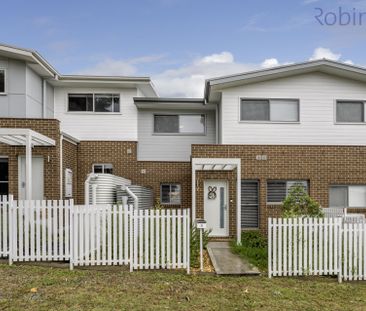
x=94 y=103
x=350 y=111
x=2 y=81
x=269 y=110
x=179 y=124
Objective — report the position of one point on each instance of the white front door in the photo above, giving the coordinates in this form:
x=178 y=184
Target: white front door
x=37 y=178
x=216 y=207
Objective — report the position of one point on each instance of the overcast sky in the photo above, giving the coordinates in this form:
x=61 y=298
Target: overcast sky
x=179 y=43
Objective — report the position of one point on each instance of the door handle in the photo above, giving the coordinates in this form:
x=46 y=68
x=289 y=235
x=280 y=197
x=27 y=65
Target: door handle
x=23 y=184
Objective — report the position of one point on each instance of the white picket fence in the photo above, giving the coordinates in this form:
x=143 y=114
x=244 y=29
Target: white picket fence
x=4 y=230
x=161 y=239
x=87 y=235
x=316 y=246
x=39 y=230
x=100 y=235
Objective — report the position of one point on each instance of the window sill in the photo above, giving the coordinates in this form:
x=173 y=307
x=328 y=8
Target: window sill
x=350 y=123
x=93 y=113
x=179 y=134
x=3 y=94
x=270 y=122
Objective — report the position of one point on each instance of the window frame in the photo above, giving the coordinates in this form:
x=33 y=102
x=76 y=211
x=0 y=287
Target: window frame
x=103 y=166
x=346 y=186
x=5 y=82
x=204 y=133
x=94 y=112
x=286 y=181
x=170 y=185
x=350 y=101
x=269 y=99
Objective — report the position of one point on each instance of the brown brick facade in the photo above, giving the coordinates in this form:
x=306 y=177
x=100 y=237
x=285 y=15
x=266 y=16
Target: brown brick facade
x=322 y=166
x=123 y=156
x=49 y=128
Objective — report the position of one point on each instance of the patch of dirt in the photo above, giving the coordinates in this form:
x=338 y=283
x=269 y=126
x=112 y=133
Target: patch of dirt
x=207 y=264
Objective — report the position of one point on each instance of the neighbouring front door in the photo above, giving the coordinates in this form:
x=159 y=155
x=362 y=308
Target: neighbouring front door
x=37 y=178
x=216 y=207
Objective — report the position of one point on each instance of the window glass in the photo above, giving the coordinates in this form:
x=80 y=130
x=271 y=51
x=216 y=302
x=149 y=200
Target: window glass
x=191 y=123
x=4 y=176
x=2 y=81
x=254 y=110
x=277 y=190
x=350 y=112
x=166 y=124
x=338 y=197
x=284 y=110
x=108 y=169
x=104 y=168
x=165 y=194
x=357 y=196
x=116 y=103
x=80 y=102
x=170 y=194
x=103 y=103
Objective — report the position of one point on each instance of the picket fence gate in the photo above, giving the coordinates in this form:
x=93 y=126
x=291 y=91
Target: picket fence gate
x=316 y=246
x=87 y=235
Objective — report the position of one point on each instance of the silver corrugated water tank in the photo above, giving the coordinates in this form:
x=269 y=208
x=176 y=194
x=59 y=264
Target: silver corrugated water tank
x=105 y=184
x=145 y=196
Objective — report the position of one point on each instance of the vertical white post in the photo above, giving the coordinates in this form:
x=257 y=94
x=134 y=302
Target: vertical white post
x=193 y=190
x=238 y=202
x=11 y=214
x=201 y=251
x=28 y=167
x=269 y=247
x=71 y=224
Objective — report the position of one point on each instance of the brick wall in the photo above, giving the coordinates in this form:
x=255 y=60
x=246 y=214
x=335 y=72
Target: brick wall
x=123 y=156
x=70 y=161
x=47 y=127
x=320 y=165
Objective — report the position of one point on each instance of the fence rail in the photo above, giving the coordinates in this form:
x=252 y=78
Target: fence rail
x=88 y=235
x=316 y=246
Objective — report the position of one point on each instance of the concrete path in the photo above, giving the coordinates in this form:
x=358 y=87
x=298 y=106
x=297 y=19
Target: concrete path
x=227 y=263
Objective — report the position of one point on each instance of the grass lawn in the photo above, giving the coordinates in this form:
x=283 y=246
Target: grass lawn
x=116 y=288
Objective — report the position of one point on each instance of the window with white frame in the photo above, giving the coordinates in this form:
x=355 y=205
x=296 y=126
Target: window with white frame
x=94 y=103
x=350 y=111
x=170 y=193
x=347 y=196
x=103 y=168
x=269 y=110
x=277 y=190
x=2 y=81
x=4 y=176
x=179 y=124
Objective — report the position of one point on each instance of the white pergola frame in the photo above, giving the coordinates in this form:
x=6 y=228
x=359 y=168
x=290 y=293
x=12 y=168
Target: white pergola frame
x=219 y=164
x=29 y=139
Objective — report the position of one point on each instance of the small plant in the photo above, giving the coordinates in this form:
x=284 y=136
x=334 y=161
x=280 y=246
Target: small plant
x=253 y=247
x=158 y=205
x=299 y=203
x=195 y=245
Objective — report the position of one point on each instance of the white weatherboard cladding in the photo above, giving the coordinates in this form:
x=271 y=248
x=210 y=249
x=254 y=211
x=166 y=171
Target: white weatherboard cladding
x=98 y=126
x=316 y=92
x=156 y=147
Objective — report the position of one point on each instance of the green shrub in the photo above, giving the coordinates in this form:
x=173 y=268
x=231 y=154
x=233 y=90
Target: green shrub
x=299 y=203
x=253 y=248
x=195 y=245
